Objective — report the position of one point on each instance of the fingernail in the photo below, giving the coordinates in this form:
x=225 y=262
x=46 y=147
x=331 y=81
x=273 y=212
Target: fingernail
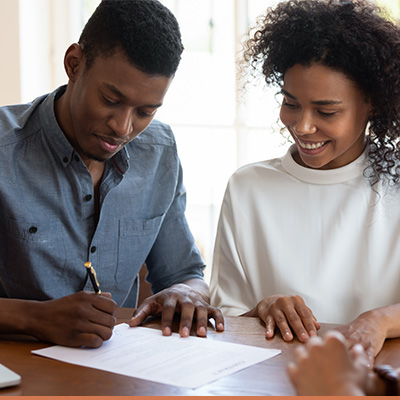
x=288 y=335
x=167 y=331
x=185 y=331
x=202 y=331
x=304 y=336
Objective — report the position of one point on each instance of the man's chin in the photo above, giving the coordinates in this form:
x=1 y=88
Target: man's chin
x=99 y=158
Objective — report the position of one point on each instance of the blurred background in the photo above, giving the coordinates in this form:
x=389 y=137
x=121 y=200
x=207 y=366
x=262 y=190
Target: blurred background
x=218 y=128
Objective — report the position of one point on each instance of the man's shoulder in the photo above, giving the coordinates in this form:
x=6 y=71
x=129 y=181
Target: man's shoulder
x=17 y=121
x=157 y=133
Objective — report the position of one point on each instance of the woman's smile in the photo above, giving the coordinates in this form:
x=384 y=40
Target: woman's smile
x=326 y=114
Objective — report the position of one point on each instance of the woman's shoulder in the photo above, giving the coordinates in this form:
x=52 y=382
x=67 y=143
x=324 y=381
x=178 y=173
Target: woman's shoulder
x=258 y=170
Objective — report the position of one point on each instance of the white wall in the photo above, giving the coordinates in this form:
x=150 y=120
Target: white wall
x=10 y=64
x=34 y=37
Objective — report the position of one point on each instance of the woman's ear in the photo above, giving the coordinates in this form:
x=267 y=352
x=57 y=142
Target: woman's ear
x=73 y=61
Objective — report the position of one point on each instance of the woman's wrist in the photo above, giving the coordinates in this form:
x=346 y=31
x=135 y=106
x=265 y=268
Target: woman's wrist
x=387 y=318
x=391 y=318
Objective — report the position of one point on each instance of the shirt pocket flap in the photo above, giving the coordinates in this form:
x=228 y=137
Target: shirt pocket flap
x=137 y=227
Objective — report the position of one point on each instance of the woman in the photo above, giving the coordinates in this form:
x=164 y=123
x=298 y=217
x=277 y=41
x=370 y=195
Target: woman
x=314 y=235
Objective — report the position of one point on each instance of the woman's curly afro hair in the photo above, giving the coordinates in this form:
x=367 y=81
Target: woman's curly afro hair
x=352 y=37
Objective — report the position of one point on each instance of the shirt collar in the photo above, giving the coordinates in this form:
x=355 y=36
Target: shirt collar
x=324 y=177
x=52 y=130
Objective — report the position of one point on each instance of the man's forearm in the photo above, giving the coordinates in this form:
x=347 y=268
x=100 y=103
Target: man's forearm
x=16 y=315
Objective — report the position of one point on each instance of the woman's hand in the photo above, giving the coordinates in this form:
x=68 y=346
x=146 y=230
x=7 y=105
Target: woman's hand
x=369 y=330
x=287 y=313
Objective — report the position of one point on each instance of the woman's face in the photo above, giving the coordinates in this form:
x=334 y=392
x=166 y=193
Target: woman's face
x=326 y=114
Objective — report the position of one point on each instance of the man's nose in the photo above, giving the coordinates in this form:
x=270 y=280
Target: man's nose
x=122 y=123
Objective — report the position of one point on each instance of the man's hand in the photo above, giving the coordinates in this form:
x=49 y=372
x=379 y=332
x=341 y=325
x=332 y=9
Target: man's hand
x=183 y=299
x=289 y=314
x=80 y=319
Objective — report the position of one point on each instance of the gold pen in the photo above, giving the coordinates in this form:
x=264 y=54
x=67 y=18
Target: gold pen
x=93 y=277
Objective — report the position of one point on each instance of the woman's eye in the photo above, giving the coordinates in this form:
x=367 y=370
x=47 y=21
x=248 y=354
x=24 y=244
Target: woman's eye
x=289 y=105
x=327 y=114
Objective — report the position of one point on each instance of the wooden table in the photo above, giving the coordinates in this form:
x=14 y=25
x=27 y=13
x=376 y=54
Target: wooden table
x=46 y=377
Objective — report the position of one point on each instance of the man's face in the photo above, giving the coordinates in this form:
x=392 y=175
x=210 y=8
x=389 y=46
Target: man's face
x=109 y=104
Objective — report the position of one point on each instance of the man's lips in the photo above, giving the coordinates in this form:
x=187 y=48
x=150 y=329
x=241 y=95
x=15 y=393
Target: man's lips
x=109 y=144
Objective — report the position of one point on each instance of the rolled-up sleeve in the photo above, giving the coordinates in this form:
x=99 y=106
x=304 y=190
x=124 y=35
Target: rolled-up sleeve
x=174 y=257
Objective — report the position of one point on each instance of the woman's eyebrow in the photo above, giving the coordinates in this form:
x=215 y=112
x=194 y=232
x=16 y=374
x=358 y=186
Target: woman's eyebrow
x=316 y=102
x=326 y=102
x=284 y=92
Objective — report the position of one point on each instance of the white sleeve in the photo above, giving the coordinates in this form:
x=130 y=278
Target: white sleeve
x=230 y=288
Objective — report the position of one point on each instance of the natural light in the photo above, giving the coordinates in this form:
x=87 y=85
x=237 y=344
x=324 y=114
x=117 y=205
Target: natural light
x=217 y=127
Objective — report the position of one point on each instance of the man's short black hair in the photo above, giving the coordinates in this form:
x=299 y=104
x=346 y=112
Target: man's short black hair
x=145 y=30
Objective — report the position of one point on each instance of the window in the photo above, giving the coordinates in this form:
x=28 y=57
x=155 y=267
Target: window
x=215 y=132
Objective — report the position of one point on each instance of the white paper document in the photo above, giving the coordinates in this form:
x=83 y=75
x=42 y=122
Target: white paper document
x=146 y=354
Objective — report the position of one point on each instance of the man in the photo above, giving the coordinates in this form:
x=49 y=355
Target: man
x=77 y=184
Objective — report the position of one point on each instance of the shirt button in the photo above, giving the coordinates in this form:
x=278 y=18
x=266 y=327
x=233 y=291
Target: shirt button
x=88 y=197
x=32 y=229
x=65 y=160
x=76 y=158
x=93 y=249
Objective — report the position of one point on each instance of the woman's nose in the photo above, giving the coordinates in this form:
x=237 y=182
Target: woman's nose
x=305 y=124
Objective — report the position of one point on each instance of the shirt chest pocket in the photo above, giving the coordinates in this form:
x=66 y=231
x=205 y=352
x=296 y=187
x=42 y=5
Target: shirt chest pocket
x=136 y=238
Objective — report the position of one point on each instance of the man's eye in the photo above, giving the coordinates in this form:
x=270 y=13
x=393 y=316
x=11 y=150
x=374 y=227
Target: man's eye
x=145 y=114
x=109 y=101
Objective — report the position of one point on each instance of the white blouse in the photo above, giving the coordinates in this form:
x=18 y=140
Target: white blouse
x=325 y=235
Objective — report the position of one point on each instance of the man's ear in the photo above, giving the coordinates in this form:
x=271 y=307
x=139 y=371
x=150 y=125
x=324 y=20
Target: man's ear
x=73 y=61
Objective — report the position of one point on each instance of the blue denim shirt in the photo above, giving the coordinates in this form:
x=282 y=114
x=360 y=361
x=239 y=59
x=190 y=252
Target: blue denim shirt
x=47 y=221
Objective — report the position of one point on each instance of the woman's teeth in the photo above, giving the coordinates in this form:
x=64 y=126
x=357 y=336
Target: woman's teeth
x=311 y=146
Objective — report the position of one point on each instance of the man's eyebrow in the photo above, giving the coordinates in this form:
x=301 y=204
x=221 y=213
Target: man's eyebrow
x=118 y=93
x=114 y=90
x=316 y=102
